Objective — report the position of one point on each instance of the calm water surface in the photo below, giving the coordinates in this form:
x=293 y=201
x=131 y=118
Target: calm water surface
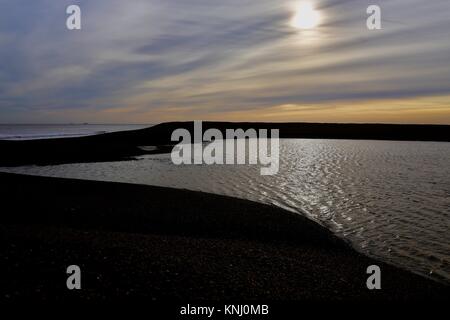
x=390 y=199
x=52 y=131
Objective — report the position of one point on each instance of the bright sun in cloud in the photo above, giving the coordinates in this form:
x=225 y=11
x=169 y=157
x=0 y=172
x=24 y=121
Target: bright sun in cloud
x=306 y=16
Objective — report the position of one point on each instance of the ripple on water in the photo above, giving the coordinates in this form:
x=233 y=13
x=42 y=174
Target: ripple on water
x=390 y=199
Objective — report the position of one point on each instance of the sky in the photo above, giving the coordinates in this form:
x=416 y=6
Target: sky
x=150 y=61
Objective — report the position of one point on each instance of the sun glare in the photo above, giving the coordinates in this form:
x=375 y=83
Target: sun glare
x=306 y=16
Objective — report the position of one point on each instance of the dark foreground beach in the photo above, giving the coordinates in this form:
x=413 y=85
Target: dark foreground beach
x=153 y=243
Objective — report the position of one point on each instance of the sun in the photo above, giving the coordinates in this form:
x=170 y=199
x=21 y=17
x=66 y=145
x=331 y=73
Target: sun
x=306 y=16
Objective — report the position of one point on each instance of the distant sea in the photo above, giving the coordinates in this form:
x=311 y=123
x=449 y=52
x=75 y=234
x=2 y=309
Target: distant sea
x=51 y=131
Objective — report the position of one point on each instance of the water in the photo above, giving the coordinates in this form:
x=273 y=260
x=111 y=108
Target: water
x=390 y=199
x=47 y=131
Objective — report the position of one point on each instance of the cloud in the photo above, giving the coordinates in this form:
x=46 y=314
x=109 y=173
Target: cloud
x=199 y=58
